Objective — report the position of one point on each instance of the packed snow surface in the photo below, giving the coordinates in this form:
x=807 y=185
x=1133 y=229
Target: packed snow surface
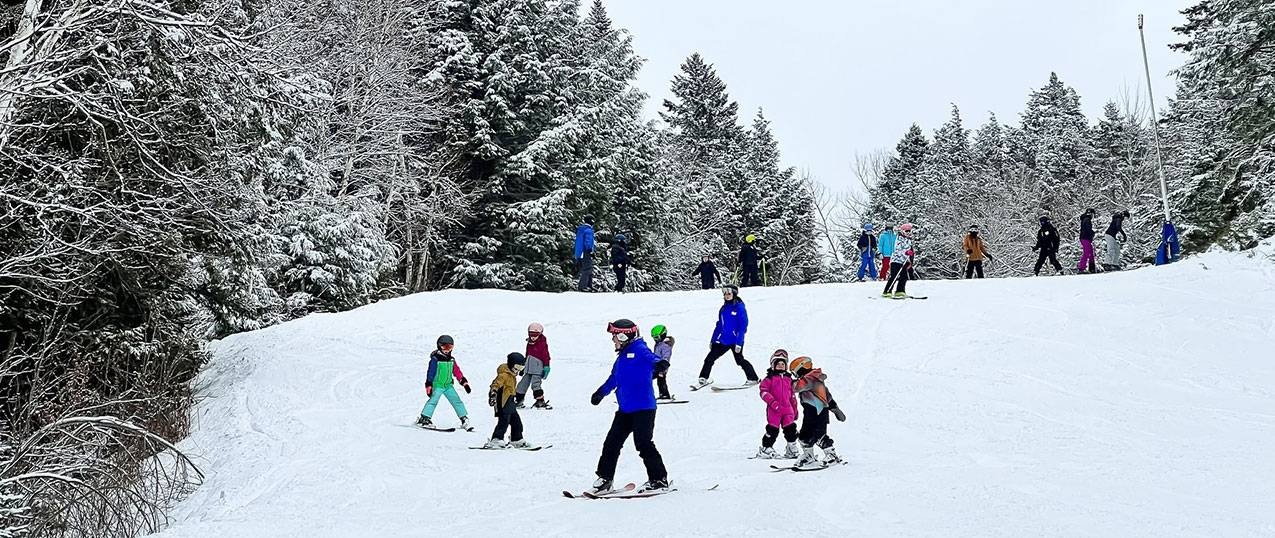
x=1132 y=404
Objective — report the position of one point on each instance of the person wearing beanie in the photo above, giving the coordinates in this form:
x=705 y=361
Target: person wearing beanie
x=584 y=254
x=501 y=399
x=1047 y=243
x=439 y=382
x=620 y=260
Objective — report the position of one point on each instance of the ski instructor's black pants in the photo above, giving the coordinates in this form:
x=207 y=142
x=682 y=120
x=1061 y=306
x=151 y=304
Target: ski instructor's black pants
x=751 y=276
x=641 y=424
x=717 y=351
x=1053 y=259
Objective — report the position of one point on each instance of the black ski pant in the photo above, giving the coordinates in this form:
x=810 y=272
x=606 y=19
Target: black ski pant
x=661 y=381
x=640 y=424
x=716 y=351
x=508 y=418
x=898 y=274
x=1052 y=256
x=772 y=433
x=814 y=427
x=586 y=272
x=620 y=270
x=750 y=277
x=972 y=267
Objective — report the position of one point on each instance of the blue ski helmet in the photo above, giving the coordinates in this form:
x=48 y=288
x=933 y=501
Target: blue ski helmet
x=867 y=227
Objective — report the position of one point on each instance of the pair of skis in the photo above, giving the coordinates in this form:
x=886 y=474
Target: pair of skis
x=808 y=468
x=628 y=491
x=717 y=388
x=524 y=449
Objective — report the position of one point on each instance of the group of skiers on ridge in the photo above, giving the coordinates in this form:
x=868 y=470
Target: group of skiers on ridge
x=976 y=251
x=788 y=387
x=752 y=262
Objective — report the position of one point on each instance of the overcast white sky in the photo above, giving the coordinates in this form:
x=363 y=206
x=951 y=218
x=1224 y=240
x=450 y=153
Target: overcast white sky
x=836 y=77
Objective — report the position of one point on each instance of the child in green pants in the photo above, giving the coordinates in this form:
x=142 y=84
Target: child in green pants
x=443 y=368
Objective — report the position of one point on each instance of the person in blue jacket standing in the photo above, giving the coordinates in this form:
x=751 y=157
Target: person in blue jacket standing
x=630 y=380
x=732 y=324
x=867 y=253
x=584 y=253
x=886 y=243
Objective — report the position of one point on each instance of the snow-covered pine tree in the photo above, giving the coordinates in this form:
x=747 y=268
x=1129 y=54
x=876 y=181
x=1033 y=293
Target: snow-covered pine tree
x=1052 y=143
x=944 y=186
x=893 y=200
x=1121 y=176
x=779 y=206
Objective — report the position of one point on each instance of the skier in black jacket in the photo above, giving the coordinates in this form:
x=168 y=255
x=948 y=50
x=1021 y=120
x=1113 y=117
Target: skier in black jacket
x=1113 y=242
x=1047 y=244
x=749 y=261
x=708 y=274
x=619 y=260
x=1086 y=243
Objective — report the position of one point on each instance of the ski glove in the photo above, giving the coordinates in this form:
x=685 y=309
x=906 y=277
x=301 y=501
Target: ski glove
x=596 y=398
x=429 y=391
x=465 y=384
x=841 y=415
x=545 y=374
x=491 y=398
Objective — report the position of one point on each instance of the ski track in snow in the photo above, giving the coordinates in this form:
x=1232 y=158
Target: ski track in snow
x=1130 y=404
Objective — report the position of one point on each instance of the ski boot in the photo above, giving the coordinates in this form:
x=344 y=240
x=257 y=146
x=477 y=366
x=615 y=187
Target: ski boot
x=752 y=382
x=766 y=453
x=522 y=443
x=465 y=425
x=665 y=397
x=654 y=485
x=518 y=401
x=793 y=452
x=701 y=383
x=602 y=485
x=496 y=443
x=541 y=404
x=830 y=456
x=887 y=295
x=900 y=295
x=424 y=422
x=808 y=458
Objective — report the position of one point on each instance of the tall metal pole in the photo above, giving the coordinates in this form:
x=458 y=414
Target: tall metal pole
x=1155 y=123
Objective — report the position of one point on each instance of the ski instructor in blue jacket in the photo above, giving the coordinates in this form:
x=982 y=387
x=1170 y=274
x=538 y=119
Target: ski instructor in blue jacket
x=732 y=324
x=584 y=253
x=635 y=366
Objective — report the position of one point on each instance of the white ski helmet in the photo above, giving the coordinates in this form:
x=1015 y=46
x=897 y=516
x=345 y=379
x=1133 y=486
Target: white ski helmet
x=536 y=328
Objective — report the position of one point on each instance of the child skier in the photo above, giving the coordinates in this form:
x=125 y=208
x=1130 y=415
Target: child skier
x=781 y=408
x=501 y=398
x=663 y=349
x=537 y=368
x=816 y=403
x=899 y=260
x=443 y=368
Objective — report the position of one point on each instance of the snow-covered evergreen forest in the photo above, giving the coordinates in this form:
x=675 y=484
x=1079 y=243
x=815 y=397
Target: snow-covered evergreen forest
x=176 y=171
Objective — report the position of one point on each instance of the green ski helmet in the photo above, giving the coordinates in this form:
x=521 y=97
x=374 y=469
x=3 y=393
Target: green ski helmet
x=658 y=332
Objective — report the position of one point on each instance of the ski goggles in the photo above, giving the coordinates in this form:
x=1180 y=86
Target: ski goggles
x=533 y=334
x=446 y=347
x=623 y=333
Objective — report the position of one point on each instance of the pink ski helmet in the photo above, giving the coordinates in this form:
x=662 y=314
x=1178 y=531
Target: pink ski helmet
x=906 y=227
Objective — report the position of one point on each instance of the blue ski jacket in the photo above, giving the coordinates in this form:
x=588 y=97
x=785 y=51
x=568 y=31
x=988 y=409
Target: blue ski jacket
x=631 y=377
x=886 y=243
x=732 y=323
x=584 y=240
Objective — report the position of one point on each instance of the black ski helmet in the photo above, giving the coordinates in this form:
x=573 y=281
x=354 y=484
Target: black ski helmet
x=734 y=290
x=445 y=340
x=515 y=359
x=588 y=219
x=626 y=329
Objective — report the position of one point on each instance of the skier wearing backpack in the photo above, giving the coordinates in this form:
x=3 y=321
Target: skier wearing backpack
x=1113 y=243
x=708 y=274
x=899 y=264
x=1047 y=243
x=867 y=253
x=732 y=325
x=630 y=379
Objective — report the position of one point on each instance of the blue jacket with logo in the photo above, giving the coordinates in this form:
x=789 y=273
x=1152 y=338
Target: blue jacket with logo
x=584 y=240
x=631 y=377
x=732 y=323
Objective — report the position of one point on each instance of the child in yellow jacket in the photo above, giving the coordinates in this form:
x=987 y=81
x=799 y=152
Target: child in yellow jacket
x=501 y=399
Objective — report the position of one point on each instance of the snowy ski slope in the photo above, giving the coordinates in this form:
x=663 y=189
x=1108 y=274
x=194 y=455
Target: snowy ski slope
x=1132 y=404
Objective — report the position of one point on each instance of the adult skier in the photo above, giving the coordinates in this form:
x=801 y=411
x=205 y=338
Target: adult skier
x=708 y=274
x=536 y=368
x=975 y=251
x=867 y=253
x=750 y=260
x=732 y=324
x=635 y=365
x=619 y=260
x=584 y=253
x=899 y=262
x=886 y=242
x=1086 y=243
x=1116 y=228
x=1047 y=244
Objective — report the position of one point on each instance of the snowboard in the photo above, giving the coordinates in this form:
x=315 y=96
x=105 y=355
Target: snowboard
x=528 y=449
x=733 y=387
x=794 y=468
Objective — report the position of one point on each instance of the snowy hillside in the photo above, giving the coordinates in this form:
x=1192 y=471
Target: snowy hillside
x=1140 y=403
